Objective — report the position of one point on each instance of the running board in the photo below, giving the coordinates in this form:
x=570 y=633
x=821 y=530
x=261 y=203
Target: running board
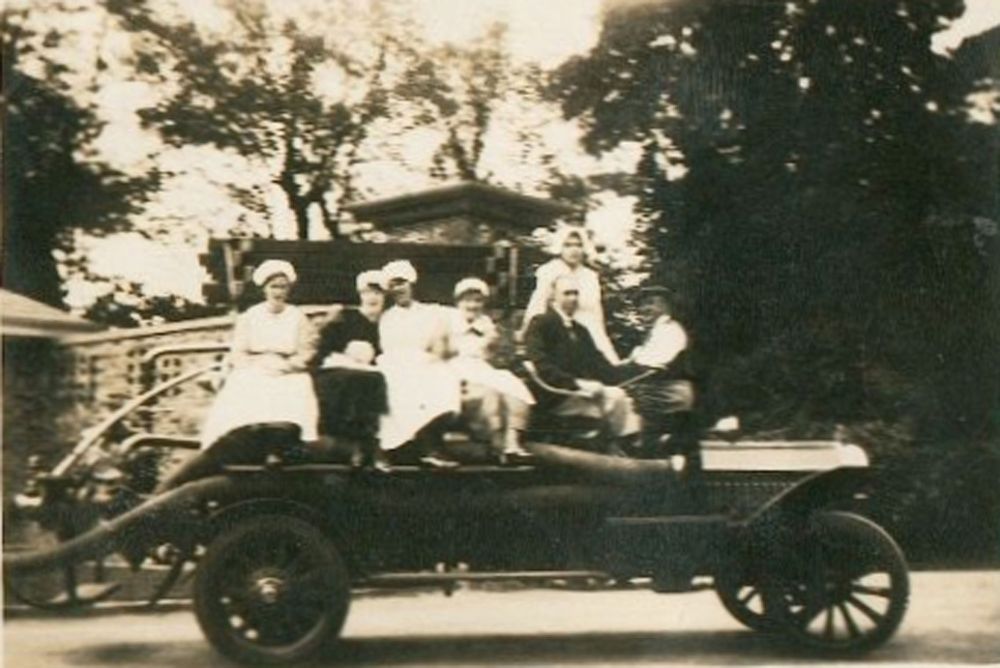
x=427 y=578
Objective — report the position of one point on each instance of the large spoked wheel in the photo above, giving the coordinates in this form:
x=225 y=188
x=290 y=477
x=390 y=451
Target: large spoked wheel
x=743 y=598
x=271 y=590
x=846 y=587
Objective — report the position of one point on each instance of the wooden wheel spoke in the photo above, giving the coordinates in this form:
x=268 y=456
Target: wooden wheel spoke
x=288 y=557
x=828 y=630
x=884 y=592
x=269 y=629
x=301 y=618
x=852 y=626
x=870 y=612
x=750 y=595
x=809 y=613
x=238 y=597
x=297 y=563
x=251 y=617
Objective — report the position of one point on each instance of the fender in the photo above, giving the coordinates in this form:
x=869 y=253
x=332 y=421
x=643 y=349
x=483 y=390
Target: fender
x=815 y=491
x=173 y=516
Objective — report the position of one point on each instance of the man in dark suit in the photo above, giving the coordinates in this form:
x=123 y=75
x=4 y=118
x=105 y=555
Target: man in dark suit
x=566 y=358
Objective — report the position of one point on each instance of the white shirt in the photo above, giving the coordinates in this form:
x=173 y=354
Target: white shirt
x=470 y=339
x=415 y=331
x=665 y=341
x=262 y=336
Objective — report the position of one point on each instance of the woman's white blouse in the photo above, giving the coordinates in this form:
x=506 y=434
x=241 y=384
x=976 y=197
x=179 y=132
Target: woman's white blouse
x=260 y=331
x=413 y=330
x=268 y=383
x=470 y=339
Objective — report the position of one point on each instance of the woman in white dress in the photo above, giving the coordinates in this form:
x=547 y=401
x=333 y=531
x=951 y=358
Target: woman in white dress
x=495 y=403
x=574 y=248
x=273 y=343
x=423 y=390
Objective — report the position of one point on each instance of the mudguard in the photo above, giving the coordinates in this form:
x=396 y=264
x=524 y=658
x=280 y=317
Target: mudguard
x=190 y=511
x=815 y=491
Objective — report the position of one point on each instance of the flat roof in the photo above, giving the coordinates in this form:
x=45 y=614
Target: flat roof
x=482 y=200
x=23 y=316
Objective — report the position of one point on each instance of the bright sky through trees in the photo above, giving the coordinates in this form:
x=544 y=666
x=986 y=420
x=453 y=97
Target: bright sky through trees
x=546 y=32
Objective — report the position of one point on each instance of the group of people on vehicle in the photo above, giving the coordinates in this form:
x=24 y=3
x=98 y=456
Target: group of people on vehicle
x=392 y=379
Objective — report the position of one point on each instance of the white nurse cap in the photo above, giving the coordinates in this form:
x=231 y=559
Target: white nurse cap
x=471 y=285
x=268 y=269
x=399 y=269
x=367 y=279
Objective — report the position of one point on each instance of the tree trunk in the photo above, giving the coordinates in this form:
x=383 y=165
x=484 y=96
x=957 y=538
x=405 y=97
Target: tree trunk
x=29 y=268
x=297 y=201
x=331 y=221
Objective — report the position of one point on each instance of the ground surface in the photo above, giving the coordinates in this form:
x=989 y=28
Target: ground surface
x=954 y=617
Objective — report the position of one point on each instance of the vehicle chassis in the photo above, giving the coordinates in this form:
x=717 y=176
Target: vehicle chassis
x=280 y=545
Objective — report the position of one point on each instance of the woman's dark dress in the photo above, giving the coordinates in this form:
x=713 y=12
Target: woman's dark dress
x=351 y=401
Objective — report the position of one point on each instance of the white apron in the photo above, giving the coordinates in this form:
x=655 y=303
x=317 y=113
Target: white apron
x=254 y=392
x=420 y=385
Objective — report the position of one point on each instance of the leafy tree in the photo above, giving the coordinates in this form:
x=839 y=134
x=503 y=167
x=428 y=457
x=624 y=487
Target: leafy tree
x=127 y=304
x=53 y=185
x=490 y=113
x=822 y=233
x=459 y=88
x=257 y=90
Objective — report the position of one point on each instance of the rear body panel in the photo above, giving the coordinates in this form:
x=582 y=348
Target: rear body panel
x=488 y=518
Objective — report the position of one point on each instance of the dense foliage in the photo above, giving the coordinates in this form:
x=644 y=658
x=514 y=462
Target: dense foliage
x=313 y=109
x=829 y=228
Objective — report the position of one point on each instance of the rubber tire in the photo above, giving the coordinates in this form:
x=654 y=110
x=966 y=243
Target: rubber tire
x=862 y=534
x=214 y=621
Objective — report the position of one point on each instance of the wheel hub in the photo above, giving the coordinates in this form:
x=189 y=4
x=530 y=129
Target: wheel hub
x=269 y=589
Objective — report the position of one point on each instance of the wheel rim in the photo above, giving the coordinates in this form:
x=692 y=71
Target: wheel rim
x=750 y=600
x=848 y=592
x=274 y=592
x=840 y=607
x=745 y=600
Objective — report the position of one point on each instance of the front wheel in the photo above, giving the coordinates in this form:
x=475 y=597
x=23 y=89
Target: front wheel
x=844 y=587
x=743 y=598
x=271 y=590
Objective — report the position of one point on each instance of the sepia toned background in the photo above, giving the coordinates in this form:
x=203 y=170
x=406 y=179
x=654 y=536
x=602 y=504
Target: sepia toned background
x=818 y=179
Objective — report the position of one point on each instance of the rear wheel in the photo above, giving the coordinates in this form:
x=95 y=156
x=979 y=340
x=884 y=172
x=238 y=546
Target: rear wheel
x=271 y=590
x=844 y=588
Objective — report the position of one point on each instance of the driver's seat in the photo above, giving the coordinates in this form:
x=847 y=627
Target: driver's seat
x=575 y=431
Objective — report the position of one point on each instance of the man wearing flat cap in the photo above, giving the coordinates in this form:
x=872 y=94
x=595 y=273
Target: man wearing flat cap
x=658 y=373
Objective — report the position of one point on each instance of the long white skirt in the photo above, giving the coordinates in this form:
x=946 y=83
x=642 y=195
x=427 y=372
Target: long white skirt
x=481 y=372
x=419 y=388
x=253 y=396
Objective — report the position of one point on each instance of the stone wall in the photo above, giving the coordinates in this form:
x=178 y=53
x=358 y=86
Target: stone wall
x=38 y=412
